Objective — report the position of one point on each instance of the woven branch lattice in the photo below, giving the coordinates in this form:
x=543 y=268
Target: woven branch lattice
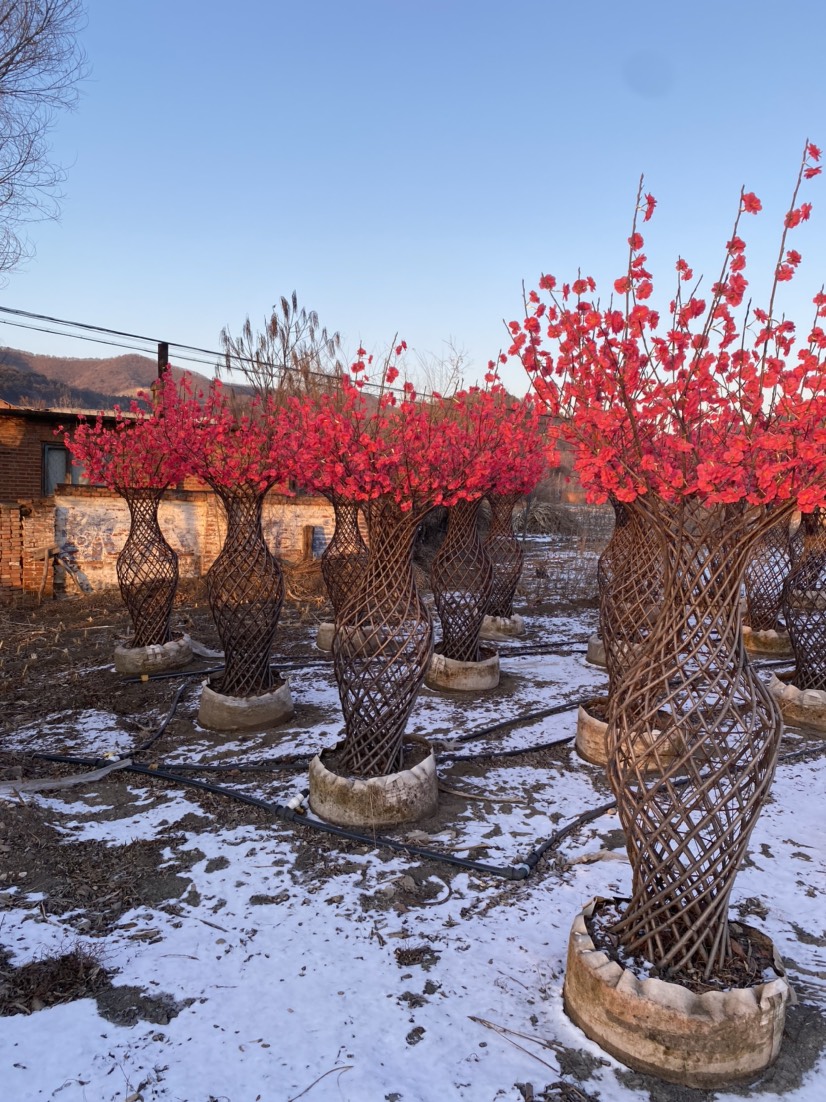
x=505 y=554
x=691 y=693
x=345 y=557
x=246 y=590
x=630 y=579
x=147 y=570
x=804 y=602
x=766 y=572
x=382 y=645
x=462 y=580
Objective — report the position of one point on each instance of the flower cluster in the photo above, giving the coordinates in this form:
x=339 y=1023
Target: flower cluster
x=225 y=440
x=130 y=454
x=690 y=401
x=420 y=451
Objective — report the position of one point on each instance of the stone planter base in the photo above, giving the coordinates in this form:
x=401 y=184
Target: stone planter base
x=800 y=707
x=596 y=651
x=324 y=636
x=244 y=713
x=590 y=735
x=591 y=741
x=663 y=1029
x=774 y=643
x=136 y=661
x=446 y=673
x=374 y=802
x=502 y=627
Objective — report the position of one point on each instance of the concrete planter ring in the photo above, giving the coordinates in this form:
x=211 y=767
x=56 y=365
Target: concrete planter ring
x=324 y=636
x=245 y=713
x=799 y=707
x=136 y=661
x=596 y=651
x=465 y=677
x=375 y=802
x=502 y=627
x=591 y=730
x=592 y=744
x=698 y=1040
x=771 y=642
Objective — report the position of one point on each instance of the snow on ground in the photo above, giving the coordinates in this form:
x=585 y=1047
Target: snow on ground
x=367 y=975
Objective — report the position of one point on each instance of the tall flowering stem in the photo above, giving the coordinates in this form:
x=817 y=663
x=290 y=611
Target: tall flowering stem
x=242 y=449
x=397 y=456
x=506 y=447
x=130 y=456
x=698 y=425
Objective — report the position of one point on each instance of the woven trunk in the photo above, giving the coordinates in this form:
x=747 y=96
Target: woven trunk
x=630 y=581
x=804 y=602
x=505 y=554
x=462 y=580
x=345 y=557
x=766 y=572
x=147 y=570
x=246 y=590
x=688 y=817
x=382 y=645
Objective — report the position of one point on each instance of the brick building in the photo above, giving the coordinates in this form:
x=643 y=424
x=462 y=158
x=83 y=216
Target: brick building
x=58 y=533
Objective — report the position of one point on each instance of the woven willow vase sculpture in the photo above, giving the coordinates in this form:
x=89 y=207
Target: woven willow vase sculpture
x=766 y=572
x=688 y=815
x=345 y=556
x=147 y=570
x=630 y=582
x=462 y=580
x=505 y=554
x=804 y=602
x=382 y=645
x=245 y=586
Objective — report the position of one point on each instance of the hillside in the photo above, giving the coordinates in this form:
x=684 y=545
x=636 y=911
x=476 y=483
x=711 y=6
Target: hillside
x=64 y=382
x=35 y=391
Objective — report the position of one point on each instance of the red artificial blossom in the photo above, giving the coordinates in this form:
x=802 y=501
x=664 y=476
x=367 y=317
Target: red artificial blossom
x=229 y=442
x=687 y=401
x=131 y=454
x=417 y=451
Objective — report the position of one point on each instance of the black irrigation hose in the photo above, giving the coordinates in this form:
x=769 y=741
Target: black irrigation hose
x=520 y=871
x=516 y=721
x=561 y=647
x=167 y=720
x=514 y=753
x=173 y=675
x=286 y=814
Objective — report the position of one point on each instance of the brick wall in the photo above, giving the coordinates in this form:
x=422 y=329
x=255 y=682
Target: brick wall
x=27 y=541
x=21 y=454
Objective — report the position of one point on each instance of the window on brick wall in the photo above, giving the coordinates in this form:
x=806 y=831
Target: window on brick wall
x=57 y=468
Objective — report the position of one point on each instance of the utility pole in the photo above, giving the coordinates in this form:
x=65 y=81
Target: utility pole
x=163 y=357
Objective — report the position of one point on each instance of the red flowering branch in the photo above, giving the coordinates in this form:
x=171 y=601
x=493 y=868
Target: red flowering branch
x=705 y=409
x=228 y=442
x=418 y=451
x=131 y=454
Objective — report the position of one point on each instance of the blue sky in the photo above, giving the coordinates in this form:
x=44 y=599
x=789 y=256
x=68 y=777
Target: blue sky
x=405 y=164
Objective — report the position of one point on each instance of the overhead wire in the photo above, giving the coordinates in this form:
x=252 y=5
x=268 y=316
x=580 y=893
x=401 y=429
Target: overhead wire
x=219 y=357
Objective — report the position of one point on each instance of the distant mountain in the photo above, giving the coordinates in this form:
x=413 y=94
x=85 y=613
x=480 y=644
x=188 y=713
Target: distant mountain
x=35 y=391
x=63 y=382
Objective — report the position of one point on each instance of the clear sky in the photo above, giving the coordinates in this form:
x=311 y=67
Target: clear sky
x=405 y=164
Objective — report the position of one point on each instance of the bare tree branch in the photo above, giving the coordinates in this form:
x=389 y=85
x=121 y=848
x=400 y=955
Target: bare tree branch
x=292 y=354
x=41 y=63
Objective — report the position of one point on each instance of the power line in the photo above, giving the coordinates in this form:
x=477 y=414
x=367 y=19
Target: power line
x=149 y=340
